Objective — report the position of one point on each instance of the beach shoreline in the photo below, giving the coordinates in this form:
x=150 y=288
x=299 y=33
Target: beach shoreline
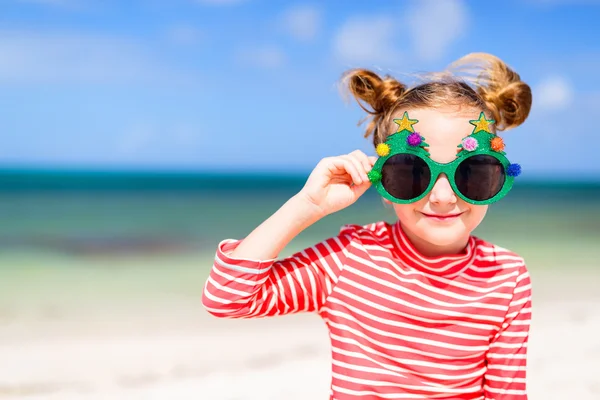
x=165 y=346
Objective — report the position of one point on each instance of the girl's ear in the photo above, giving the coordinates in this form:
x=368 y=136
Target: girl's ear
x=386 y=202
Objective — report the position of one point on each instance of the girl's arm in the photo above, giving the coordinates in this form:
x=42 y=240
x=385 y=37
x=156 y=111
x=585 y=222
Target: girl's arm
x=505 y=378
x=246 y=280
x=274 y=234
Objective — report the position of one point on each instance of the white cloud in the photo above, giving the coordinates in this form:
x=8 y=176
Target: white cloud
x=430 y=27
x=48 y=57
x=184 y=34
x=302 y=22
x=368 y=39
x=434 y=25
x=553 y=93
x=261 y=57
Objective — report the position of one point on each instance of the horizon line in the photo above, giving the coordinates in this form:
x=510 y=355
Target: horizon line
x=17 y=173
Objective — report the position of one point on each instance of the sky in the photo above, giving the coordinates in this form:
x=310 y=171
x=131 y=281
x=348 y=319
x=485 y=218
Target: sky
x=254 y=85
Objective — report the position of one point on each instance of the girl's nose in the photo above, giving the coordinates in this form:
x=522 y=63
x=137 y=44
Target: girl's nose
x=442 y=192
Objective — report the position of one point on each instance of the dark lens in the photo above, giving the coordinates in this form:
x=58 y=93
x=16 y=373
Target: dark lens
x=405 y=176
x=480 y=177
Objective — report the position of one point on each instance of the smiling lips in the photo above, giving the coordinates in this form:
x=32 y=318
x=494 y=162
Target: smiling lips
x=442 y=217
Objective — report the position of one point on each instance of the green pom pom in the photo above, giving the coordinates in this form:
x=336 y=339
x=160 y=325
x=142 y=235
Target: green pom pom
x=374 y=176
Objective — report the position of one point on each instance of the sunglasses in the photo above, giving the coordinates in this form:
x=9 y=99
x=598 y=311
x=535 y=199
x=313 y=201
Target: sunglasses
x=480 y=174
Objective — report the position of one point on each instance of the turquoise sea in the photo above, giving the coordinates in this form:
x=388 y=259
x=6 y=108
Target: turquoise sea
x=87 y=235
x=94 y=213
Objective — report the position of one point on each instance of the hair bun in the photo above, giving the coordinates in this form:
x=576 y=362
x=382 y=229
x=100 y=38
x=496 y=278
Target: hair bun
x=513 y=103
x=507 y=97
x=380 y=94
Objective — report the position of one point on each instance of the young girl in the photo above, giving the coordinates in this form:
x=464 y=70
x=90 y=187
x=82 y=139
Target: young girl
x=417 y=309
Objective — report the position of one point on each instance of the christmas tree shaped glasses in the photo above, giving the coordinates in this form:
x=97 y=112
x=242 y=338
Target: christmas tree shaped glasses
x=480 y=174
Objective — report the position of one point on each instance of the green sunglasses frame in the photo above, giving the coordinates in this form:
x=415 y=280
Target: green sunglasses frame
x=407 y=141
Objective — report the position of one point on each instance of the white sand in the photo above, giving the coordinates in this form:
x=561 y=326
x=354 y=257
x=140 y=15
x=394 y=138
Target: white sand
x=169 y=348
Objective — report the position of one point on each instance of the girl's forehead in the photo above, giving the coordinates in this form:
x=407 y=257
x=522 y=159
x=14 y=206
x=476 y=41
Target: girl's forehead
x=443 y=130
x=441 y=126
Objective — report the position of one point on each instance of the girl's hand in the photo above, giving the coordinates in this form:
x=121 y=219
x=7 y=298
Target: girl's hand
x=337 y=182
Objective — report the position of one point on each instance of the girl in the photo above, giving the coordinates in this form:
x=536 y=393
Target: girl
x=417 y=309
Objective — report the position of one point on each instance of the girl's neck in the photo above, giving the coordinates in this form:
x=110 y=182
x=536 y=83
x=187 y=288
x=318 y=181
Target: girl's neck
x=428 y=249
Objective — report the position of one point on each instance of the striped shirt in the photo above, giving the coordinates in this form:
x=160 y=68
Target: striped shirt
x=402 y=326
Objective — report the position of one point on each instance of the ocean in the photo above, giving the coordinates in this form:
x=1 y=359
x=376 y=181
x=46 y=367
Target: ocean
x=92 y=214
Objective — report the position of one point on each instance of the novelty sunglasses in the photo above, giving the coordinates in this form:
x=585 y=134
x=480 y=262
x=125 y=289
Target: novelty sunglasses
x=480 y=174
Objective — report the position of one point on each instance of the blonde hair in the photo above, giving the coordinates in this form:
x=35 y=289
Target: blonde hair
x=480 y=81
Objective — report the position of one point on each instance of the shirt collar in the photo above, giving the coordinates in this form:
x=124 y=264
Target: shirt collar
x=446 y=265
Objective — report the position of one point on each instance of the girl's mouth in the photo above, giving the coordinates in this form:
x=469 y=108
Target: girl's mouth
x=442 y=217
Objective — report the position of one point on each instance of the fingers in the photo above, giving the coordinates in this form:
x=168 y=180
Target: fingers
x=359 y=166
x=365 y=162
x=362 y=158
x=342 y=164
x=356 y=164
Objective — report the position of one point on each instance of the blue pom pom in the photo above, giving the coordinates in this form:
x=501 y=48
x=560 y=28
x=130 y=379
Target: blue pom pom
x=513 y=170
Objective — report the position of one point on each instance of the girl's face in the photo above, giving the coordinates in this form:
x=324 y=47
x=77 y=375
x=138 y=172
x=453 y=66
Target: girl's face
x=441 y=222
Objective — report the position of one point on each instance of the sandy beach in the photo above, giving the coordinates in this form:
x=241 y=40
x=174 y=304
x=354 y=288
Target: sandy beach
x=167 y=347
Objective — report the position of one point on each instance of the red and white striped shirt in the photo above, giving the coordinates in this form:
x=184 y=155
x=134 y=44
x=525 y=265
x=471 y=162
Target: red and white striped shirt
x=402 y=326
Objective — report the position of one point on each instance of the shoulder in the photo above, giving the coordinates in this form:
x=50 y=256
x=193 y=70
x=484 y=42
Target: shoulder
x=374 y=232
x=373 y=238
x=352 y=236
x=491 y=257
x=488 y=251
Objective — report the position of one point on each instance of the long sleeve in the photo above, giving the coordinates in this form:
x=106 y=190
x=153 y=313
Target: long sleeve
x=243 y=288
x=505 y=378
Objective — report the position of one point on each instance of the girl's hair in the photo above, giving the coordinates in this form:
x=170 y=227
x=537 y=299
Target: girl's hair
x=480 y=81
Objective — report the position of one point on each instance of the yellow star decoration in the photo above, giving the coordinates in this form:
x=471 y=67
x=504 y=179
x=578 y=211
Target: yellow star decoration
x=482 y=124
x=405 y=123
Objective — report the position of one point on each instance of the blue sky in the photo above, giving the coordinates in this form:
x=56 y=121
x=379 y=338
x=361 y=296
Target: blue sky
x=252 y=84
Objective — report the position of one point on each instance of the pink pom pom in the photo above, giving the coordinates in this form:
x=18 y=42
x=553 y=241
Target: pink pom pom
x=414 y=139
x=469 y=143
